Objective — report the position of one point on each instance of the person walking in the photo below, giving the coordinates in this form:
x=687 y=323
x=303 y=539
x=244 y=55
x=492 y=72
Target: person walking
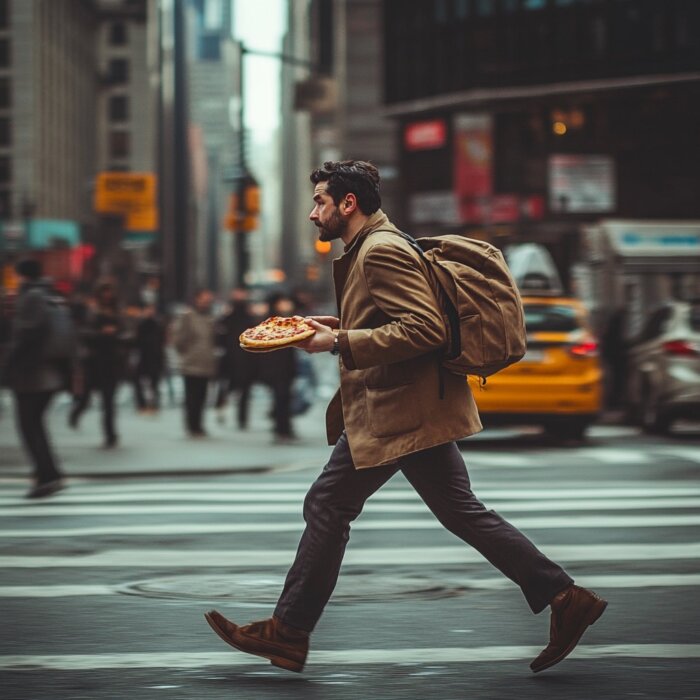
x=195 y=341
x=150 y=359
x=33 y=378
x=239 y=369
x=389 y=416
x=105 y=339
x=278 y=370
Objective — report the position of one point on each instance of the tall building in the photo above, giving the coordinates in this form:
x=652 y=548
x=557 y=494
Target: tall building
x=341 y=101
x=212 y=86
x=75 y=100
x=47 y=123
x=529 y=120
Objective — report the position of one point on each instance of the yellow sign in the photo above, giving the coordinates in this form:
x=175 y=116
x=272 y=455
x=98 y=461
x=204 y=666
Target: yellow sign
x=119 y=193
x=142 y=220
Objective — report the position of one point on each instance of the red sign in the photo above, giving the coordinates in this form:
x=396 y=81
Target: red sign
x=424 y=136
x=473 y=156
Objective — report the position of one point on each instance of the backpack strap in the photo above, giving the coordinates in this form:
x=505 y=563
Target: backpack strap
x=451 y=316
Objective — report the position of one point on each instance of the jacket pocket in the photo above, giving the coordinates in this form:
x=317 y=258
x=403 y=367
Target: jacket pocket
x=390 y=376
x=392 y=411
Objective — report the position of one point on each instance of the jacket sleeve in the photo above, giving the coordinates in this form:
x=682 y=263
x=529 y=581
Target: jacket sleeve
x=398 y=285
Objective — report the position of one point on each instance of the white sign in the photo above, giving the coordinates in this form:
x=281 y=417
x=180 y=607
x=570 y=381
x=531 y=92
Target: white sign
x=433 y=208
x=581 y=184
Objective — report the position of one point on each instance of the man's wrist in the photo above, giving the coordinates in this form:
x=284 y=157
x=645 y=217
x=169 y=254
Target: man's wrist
x=335 y=348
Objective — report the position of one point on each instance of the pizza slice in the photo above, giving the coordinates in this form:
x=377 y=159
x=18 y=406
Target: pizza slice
x=275 y=333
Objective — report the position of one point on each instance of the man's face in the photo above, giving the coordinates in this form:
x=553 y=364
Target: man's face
x=326 y=215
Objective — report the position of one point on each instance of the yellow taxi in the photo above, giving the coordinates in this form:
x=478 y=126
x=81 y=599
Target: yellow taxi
x=559 y=382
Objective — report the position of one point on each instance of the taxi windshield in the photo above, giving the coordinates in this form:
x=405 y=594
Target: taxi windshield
x=550 y=318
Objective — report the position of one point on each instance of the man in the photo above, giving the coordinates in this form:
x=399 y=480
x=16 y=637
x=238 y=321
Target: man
x=195 y=340
x=390 y=416
x=33 y=378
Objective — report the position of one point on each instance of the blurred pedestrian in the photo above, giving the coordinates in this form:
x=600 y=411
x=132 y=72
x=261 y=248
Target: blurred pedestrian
x=106 y=339
x=195 y=340
x=278 y=370
x=33 y=376
x=239 y=369
x=395 y=411
x=150 y=359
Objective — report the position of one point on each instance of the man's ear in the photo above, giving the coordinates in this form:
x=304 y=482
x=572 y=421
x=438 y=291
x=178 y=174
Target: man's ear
x=349 y=203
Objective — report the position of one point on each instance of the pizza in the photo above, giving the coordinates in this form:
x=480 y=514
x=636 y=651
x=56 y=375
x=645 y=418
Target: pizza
x=276 y=332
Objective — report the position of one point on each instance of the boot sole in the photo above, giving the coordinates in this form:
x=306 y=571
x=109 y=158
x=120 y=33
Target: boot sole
x=597 y=609
x=274 y=659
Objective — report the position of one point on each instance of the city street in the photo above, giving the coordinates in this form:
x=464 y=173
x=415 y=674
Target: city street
x=104 y=586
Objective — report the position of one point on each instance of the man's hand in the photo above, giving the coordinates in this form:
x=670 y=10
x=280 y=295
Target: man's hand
x=330 y=321
x=322 y=340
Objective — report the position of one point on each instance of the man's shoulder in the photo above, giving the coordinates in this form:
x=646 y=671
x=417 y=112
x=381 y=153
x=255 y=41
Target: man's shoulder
x=385 y=242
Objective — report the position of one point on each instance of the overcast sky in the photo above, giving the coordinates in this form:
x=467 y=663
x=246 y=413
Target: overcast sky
x=260 y=24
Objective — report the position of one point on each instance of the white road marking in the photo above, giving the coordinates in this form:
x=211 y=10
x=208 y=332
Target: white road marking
x=262 y=508
x=690 y=453
x=59 y=591
x=630 y=581
x=180 y=528
x=347 y=657
x=379 y=556
x=214 y=495
x=521 y=489
x=610 y=455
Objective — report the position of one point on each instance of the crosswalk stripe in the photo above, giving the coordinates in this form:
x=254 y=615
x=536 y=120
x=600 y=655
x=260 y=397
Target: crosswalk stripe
x=182 y=528
x=378 y=556
x=600 y=582
x=514 y=489
x=347 y=657
x=214 y=495
x=22 y=510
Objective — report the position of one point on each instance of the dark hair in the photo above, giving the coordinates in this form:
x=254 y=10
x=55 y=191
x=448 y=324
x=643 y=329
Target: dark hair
x=29 y=268
x=351 y=176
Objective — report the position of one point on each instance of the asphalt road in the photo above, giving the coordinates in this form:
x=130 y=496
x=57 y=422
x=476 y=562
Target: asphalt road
x=103 y=587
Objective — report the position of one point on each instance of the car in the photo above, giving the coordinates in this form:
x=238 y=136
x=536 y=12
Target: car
x=663 y=381
x=559 y=382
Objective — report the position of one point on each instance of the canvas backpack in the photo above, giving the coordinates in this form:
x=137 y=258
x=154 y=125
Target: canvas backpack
x=480 y=301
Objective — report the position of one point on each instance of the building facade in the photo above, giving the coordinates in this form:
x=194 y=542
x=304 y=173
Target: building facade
x=47 y=133
x=528 y=120
x=338 y=101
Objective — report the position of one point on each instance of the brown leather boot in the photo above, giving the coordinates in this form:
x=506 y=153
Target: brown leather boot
x=285 y=646
x=573 y=611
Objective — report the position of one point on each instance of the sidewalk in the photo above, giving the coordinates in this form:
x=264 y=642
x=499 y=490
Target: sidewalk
x=157 y=445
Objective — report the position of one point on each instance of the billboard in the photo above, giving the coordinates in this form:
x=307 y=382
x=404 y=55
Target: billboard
x=581 y=184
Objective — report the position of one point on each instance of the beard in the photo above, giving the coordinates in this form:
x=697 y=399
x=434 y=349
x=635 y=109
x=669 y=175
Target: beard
x=333 y=229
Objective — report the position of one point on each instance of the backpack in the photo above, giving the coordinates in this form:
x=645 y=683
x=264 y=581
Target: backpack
x=480 y=301
x=61 y=336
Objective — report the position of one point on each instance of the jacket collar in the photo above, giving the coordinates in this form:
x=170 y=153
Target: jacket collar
x=343 y=264
x=376 y=221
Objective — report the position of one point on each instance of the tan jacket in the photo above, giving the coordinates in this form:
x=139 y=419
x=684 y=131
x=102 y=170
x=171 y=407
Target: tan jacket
x=194 y=339
x=392 y=400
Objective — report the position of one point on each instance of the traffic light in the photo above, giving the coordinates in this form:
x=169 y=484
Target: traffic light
x=243 y=211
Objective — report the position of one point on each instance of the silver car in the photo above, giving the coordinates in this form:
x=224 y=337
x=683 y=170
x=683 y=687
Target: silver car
x=664 y=367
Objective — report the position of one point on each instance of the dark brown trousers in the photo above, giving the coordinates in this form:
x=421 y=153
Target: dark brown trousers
x=440 y=477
